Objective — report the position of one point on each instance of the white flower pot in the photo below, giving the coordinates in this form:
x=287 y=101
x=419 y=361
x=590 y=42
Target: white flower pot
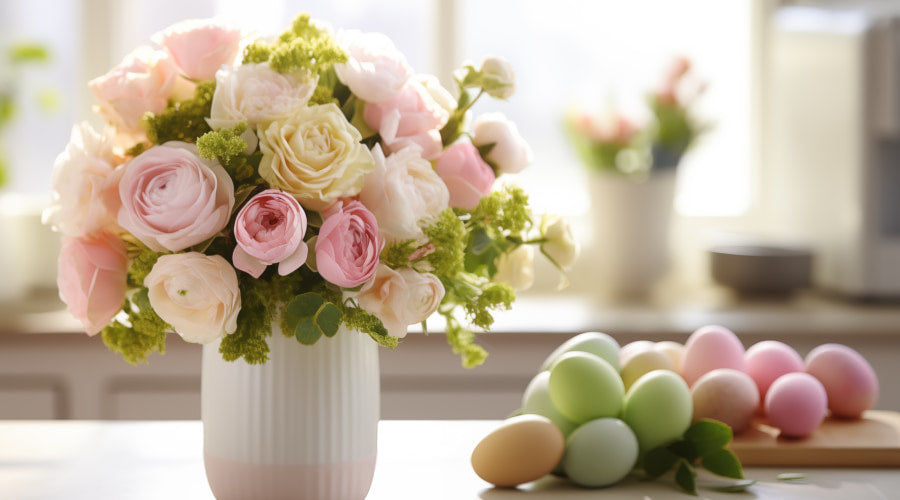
x=631 y=230
x=301 y=426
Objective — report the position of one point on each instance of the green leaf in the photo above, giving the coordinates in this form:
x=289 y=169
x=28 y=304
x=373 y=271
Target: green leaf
x=328 y=319
x=723 y=462
x=658 y=461
x=708 y=436
x=684 y=449
x=686 y=477
x=27 y=52
x=307 y=332
x=310 y=317
x=791 y=476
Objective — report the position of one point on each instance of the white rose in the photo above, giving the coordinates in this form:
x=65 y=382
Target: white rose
x=257 y=95
x=84 y=190
x=437 y=91
x=498 y=77
x=400 y=298
x=560 y=246
x=195 y=293
x=510 y=153
x=401 y=191
x=315 y=156
x=516 y=268
x=375 y=70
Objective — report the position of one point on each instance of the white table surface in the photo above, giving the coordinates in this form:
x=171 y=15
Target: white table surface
x=72 y=460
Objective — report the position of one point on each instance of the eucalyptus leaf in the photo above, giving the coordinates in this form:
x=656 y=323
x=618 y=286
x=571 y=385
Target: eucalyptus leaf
x=307 y=332
x=723 y=462
x=658 y=461
x=686 y=477
x=708 y=436
x=328 y=319
x=685 y=449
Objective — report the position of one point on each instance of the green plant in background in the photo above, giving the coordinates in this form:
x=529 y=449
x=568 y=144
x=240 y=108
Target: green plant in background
x=16 y=57
x=613 y=142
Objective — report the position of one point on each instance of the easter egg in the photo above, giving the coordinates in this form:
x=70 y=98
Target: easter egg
x=537 y=400
x=796 y=404
x=708 y=348
x=768 y=360
x=522 y=449
x=585 y=387
x=658 y=408
x=673 y=350
x=632 y=348
x=600 y=453
x=726 y=395
x=849 y=380
x=644 y=362
x=597 y=343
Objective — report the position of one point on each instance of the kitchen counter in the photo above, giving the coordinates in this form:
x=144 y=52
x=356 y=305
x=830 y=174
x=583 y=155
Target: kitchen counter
x=133 y=460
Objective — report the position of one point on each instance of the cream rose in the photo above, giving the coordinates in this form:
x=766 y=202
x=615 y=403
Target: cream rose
x=516 y=268
x=84 y=188
x=400 y=298
x=560 y=246
x=257 y=95
x=498 y=77
x=315 y=156
x=195 y=293
x=402 y=190
x=510 y=153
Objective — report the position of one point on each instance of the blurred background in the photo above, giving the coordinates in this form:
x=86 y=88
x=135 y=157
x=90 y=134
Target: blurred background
x=784 y=221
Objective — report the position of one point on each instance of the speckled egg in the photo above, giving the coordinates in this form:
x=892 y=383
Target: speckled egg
x=600 y=453
x=711 y=347
x=768 y=360
x=522 y=449
x=796 y=404
x=726 y=395
x=596 y=343
x=849 y=380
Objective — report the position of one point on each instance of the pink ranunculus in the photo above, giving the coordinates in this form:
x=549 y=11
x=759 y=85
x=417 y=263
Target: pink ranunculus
x=269 y=230
x=375 y=70
x=467 y=176
x=348 y=245
x=92 y=278
x=200 y=46
x=142 y=82
x=172 y=198
x=412 y=116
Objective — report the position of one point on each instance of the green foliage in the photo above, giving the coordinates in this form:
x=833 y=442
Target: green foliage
x=182 y=121
x=360 y=320
x=310 y=317
x=498 y=224
x=706 y=440
x=146 y=333
x=27 y=52
x=448 y=235
x=396 y=255
x=227 y=146
x=141 y=265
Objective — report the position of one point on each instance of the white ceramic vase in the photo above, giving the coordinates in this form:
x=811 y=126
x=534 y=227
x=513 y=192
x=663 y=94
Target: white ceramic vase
x=631 y=230
x=301 y=426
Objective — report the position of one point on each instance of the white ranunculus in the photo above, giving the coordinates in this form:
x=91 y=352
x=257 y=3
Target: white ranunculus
x=498 y=77
x=195 y=293
x=516 y=268
x=83 y=185
x=441 y=95
x=315 y=156
x=560 y=246
x=400 y=298
x=375 y=70
x=257 y=95
x=402 y=190
x=510 y=153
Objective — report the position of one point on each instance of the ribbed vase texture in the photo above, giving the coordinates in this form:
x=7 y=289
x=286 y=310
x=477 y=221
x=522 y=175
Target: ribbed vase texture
x=301 y=426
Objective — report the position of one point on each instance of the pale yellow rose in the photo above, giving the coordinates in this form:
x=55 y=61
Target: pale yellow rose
x=560 y=246
x=516 y=268
x=315 y=155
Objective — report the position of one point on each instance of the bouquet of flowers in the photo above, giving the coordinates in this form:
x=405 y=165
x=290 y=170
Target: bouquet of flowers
x=614 y=142
x=311 y=179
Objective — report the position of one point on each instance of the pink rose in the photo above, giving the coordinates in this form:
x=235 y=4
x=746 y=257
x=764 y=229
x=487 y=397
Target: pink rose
x=142 y=82
x=412 y=116
x=269 y=229
x=200 y=46
x=92 y=278
x=172 y=199
x=375 y=70
x=467 y=176
x=401 y=297
x=348 y=245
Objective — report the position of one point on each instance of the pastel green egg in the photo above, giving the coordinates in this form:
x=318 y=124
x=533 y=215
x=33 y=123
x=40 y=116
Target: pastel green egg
x=596 y=343
x=584 y=387
x=658 y=408
x=600 y=453
x=537 y=400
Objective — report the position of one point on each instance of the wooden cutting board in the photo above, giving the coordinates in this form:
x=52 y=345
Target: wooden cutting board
x=871 y=441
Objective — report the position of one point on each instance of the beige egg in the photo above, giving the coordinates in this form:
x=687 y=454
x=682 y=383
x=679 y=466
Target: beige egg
x=644 y=362
x=523 y=449
x=673 y=350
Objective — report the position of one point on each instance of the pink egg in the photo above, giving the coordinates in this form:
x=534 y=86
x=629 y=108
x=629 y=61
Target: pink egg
x=849 y=379
x=768 y=360
x=708 y=348
x=726 y=395
x=796 y=404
